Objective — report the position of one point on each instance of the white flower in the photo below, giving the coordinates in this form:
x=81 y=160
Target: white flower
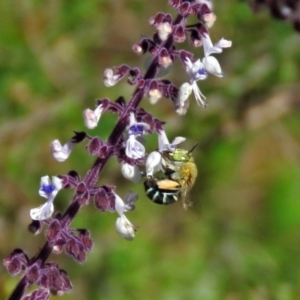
x=59 y=152
x=182 y=103
x=212 y=66
x=209 y=48
x=131 y=172
x=153 y=163
x=165 y=61
x=109 y=78
x=47 y=190
x=164 y=30
x=92 y=117
x=165 y=145
x=209 y=19
x=137 y=128
x=134 y=147
x=222 y=43
x=120 y=205
x=125 y=228
x=154 y=95
x=195 y=70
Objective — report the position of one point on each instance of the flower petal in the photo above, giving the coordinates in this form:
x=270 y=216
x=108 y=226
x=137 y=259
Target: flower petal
x=222 y=43
x=42 y=212
x=92 y=117
x=208 y=46
x=125 y=228
x=153 y=163
x=182 y=103
x=212 y=66
x=131 y=172
x=59 y=152
x=134 y=149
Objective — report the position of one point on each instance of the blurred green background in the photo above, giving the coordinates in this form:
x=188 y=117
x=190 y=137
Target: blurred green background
x=241 y=239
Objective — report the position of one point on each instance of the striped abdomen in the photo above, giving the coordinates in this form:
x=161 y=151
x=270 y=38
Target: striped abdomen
x=162 y=191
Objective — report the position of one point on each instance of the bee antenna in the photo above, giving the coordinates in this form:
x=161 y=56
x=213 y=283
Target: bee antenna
x=193 y=148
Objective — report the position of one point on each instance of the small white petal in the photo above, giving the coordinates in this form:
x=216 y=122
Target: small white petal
x=164 y=30
x=208 y=47
x=222 y=43
x=57 y=182
x=184 y=92
x=209 y=19
x=120 y=206
x=59 y=152
x=165 y=145
x=153 y=163
x=130 y=172
x=45 y=180
x=92 y=117
x=212 y=66
x=165 y=61
x=42 y=212
x=182 y=110
x=134 y=149
x=154 y=96
x=125 y=228
x=178 y=140
x=109 y=78
x=182 y=103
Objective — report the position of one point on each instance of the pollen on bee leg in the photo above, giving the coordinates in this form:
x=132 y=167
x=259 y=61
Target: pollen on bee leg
x=167 y=184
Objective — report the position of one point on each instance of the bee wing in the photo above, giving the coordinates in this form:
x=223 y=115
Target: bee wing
x=184 y=195
x=129 y=200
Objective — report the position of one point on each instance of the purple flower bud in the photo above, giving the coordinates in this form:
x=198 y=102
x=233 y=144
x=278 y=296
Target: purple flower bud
x=85 y=237
x=184 y=9
x=175 y=3
x=53 y=230
x=16 y=262
x=94 y=146
x=111 y=78
x=32 y=273
x=179 y=34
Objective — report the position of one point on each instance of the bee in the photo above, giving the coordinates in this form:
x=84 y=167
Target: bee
x=180 y=172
